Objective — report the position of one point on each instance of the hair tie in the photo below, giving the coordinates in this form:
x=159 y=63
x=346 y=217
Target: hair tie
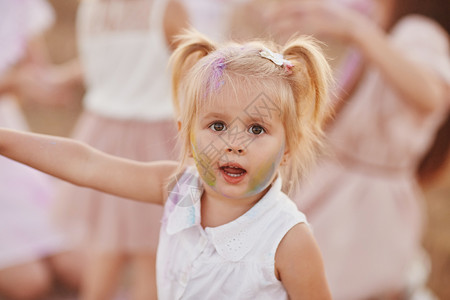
x=277 y=59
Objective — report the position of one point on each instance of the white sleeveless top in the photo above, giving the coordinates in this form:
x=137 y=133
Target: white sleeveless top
x=231 y=261
x=124 y=54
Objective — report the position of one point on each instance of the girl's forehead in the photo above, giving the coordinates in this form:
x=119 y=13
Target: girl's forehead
x=244 y=102
x=245 y=92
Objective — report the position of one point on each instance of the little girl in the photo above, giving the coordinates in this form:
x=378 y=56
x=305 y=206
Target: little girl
x=246 y=116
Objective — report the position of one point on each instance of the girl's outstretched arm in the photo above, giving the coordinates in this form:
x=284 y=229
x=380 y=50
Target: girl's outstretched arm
x=299 y=266
x=85 y=166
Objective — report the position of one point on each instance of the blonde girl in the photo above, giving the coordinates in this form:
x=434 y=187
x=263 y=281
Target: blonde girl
x=247 y=114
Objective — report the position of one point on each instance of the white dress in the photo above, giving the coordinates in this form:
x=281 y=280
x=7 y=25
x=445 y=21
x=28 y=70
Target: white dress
x=232 y=261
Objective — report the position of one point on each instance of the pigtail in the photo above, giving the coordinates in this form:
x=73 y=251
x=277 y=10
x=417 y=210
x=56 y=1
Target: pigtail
x=310 y=64
x=310 y=82
x=189 y=43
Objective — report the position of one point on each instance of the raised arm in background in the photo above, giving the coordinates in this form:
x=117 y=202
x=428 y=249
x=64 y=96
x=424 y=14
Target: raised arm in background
x=416 y=82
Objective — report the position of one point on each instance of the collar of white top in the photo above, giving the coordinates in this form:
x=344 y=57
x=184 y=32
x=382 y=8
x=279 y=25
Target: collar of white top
x=232 y=240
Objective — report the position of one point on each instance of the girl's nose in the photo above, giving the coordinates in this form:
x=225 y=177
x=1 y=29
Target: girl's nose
x=236 y=150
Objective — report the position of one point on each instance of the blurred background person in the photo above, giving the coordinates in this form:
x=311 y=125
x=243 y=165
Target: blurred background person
x=214 y=18
x=33 y=254
x=124 y=48
x=363 y=200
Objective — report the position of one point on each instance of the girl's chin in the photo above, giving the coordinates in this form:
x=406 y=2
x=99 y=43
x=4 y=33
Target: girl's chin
x=236 y=192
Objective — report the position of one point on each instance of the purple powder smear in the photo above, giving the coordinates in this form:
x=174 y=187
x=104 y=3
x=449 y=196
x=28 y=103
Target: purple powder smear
x=216 y=81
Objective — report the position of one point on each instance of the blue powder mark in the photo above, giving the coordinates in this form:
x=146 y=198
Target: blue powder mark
x=192 y=215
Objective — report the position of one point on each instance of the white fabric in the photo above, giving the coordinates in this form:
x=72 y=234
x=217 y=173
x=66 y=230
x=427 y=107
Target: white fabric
x=130 y=34
x=232 y=261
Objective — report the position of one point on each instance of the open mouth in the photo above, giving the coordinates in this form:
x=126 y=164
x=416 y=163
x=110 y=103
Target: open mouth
x=233 y=173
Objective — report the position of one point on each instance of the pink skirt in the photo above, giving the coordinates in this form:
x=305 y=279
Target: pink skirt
x=105 y=222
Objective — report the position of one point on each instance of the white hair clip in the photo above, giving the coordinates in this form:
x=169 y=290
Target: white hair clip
x=277 y=59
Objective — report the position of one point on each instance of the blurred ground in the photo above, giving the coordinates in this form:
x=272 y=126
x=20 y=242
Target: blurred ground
x=60 y=121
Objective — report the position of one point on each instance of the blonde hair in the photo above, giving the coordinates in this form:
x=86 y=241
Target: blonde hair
x=301 y=94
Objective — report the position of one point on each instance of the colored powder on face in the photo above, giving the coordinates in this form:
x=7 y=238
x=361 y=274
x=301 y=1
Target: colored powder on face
x=261 y=179
x=203 y=163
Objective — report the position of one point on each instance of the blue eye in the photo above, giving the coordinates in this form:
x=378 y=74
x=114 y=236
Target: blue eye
x=218 y=126
x=256 y=130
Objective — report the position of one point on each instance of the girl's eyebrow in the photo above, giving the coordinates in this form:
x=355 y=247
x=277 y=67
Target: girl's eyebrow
x=258 y=119
x=215 y=114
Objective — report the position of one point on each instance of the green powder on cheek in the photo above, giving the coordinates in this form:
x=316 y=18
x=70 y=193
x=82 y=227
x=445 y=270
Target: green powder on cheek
x=205 y=171
x=265 y=173
x=261 y=179
x=203 y=164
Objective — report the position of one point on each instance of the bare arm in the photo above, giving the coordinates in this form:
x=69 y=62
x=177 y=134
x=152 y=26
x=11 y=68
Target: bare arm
x=299 y=265
x=82 y=165
x=416 y=82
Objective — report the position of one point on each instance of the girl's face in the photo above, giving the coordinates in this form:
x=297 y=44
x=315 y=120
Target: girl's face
x=238 y=143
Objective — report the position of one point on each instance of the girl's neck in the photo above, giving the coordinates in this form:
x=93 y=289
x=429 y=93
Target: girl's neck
x=217 y=210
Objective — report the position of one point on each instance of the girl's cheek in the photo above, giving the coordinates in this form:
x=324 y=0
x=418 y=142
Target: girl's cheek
x=265 y=173
x=261 y=179
x=204 y=160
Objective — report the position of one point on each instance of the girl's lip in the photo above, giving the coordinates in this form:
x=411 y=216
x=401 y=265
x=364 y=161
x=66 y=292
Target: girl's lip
x=233 y=173
x=232 y=165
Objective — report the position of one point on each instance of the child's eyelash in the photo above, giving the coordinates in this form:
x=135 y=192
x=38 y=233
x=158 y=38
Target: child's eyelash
x=264 y=130
x=219 y=126
x=217 y=129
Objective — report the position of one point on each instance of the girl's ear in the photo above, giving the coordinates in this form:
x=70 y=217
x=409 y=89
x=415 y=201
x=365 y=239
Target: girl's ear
x=285 y=158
